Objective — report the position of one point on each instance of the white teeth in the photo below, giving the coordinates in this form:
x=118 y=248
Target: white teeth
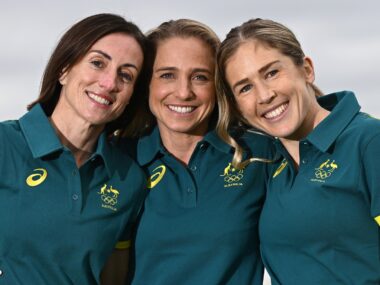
x=180 y=109
x=99 y=99
x=276 y=112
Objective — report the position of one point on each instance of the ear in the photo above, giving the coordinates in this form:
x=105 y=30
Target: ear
x=309 y=69
x=63 y=76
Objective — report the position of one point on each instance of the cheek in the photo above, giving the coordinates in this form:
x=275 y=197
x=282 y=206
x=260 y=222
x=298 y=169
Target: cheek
x=246 y=107
x=152 y=102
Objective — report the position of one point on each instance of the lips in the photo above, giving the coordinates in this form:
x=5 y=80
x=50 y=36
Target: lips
x=99 y=99
x=277 y=112
x=181 y=109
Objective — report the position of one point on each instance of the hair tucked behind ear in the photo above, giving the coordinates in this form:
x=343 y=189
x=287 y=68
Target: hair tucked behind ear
x=270 y=33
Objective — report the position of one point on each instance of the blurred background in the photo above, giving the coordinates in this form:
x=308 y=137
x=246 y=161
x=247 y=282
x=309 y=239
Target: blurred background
x=342 y=38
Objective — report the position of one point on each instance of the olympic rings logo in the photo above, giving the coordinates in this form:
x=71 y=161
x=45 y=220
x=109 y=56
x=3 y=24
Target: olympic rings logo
x=233 y=178
x=321 y=174
x=109 y=200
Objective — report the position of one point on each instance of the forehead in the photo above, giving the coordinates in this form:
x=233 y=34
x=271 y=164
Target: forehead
x=254 y=50
x=188 y=49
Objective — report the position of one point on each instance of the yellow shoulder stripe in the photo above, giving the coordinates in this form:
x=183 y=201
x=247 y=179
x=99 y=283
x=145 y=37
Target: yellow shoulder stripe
x=377 y=219
x=123 y=244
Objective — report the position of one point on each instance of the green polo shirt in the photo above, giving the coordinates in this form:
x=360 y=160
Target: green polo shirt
x=318 y=223
x=200 y=222
x=60 y=223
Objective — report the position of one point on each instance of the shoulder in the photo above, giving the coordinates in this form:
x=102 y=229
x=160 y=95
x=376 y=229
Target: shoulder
x=10 y=132
x=124 y=162
x=126 y=145
x=256 y=143
x=364 y=126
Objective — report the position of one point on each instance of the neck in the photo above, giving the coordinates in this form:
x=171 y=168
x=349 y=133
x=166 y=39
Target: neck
x=291 y=143
x=77 y=135
x=180 y=145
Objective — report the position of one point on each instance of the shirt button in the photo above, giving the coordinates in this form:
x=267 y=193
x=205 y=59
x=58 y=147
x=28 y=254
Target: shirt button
x=189 y=190
x=304 y=161
x=75 y=197
x=193 y=168
x=1 y=272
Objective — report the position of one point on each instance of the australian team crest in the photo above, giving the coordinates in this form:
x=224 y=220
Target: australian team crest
x=324 y=171
x=232 y=176
x=109 y=197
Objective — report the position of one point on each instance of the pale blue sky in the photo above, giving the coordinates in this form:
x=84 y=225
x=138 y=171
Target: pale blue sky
x=342 y=37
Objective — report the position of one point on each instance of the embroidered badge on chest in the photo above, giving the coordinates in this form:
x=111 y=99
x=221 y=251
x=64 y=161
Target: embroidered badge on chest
x=232 y=177
x=109 y=197
x=324 y=171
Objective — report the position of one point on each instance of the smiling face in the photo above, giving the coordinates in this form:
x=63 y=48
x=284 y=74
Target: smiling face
x=272 y=93
x=97 y=89
x=182 y=90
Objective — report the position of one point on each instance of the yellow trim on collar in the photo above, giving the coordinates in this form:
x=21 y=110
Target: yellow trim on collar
x=377 y=219
x=123 y=244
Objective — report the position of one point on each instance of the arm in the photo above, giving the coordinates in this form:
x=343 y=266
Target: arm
x=116 y=268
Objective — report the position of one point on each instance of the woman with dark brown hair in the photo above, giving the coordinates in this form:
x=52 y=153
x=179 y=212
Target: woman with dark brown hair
x=72 y=195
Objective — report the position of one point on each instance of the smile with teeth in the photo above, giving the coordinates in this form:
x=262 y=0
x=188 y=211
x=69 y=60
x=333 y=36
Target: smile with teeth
x=98 y=99
x=276 y=112
x=181 y=109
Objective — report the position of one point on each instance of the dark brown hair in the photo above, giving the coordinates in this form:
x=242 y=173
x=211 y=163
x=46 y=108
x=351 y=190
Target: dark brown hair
x=73 y=46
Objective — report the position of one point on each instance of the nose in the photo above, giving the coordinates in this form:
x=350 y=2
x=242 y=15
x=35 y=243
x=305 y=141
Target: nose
x=109 y=80
x=184 y=89
x=265 y=94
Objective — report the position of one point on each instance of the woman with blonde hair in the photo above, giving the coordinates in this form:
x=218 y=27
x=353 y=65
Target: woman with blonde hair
x=320 y=221
x=199 y=224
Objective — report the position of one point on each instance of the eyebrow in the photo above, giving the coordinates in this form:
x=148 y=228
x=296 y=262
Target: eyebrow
x=172 y=68
x=107 y=56
x=261 y=71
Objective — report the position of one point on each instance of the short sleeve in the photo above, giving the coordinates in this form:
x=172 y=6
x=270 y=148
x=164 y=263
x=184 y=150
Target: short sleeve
x=371 y=166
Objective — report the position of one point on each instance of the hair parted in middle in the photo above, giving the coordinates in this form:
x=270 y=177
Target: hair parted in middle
x=180 y=28
x=269 y=33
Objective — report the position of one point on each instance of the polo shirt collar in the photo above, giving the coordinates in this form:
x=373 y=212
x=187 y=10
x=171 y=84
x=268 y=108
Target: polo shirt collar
x=150 y=146
x=39 y=133
x=43 y=140
x=103 y=149
x=343 y=107
x=213 y=139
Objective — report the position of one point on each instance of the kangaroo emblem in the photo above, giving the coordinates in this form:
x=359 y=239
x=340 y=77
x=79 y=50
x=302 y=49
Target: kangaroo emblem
x=104 y=190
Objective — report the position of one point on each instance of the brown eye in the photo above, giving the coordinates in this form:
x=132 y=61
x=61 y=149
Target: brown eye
x=245 y=88
x=97 y=63
x=271 y=73
x=126 y=76
x=200 y=77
